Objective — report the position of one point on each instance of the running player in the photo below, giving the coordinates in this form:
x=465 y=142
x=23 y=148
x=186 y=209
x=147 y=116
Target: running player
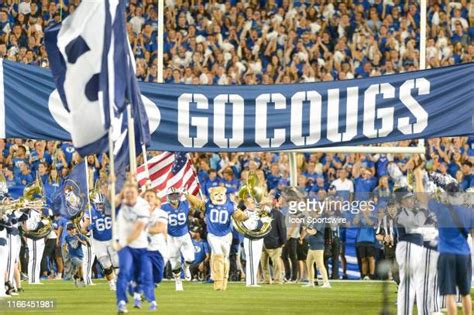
x=101 y=227
x=179 y=240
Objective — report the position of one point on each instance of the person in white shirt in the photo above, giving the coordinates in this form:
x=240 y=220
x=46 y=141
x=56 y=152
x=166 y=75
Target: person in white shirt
x=344 y=188
x=157 y=250
x=343 y=184
x=132 y=219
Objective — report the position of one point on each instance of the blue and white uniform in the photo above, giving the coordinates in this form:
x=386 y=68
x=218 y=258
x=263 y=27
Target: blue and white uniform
x=3 y=253
x=133 y=256
x=35 y=248
x=409 y=253
x=179 y=240
x=253 y=248
x=14 y=245
x=157 y=245
x=432 y=300
x=101 y=228
x=219 y=227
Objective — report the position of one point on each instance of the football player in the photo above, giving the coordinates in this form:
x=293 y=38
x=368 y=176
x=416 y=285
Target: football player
x=101 y=227
x=218 y=211
x=179 y=240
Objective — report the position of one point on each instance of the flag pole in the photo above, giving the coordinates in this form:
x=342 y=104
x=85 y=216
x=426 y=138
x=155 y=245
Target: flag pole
x=159 y=75
x=145 y=163
x=131 y=141
x=89 y=206
x=112 y=184
x=61 y=3
x=160 y=41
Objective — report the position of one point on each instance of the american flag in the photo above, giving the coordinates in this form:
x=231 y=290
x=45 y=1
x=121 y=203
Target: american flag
x=170 y=169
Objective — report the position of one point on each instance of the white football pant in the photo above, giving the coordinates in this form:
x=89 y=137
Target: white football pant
x=181 y=245
x=105 y=253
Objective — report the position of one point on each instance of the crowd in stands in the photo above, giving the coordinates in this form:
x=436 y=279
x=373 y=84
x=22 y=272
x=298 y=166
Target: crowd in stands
x=266 y=41
x=260 y=42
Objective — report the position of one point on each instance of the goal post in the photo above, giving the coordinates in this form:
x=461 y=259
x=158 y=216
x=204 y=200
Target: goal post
x=420 y=149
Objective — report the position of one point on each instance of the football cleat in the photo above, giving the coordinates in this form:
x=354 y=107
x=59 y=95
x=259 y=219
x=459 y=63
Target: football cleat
x=187 y=274
x=326 y=286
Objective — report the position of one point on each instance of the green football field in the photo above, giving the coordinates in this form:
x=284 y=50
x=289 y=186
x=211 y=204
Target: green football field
x=198 y=298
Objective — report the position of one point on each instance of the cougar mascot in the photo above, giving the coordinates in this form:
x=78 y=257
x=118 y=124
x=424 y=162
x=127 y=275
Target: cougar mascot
x=218 y=212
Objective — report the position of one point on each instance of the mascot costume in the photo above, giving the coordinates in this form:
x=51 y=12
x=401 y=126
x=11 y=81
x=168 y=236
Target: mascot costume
x=219 y=212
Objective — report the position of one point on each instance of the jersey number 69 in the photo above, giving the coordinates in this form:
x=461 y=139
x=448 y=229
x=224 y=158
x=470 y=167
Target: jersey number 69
x=177 y=219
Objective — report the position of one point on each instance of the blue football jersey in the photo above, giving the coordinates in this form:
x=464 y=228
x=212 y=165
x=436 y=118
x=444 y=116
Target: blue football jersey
x=218 y=218
x=177 y=218
x=101 y=225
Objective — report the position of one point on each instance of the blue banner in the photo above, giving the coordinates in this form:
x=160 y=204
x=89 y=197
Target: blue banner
x=422 y=104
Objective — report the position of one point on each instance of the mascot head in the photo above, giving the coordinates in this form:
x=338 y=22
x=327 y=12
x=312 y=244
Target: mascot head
x=218 y=195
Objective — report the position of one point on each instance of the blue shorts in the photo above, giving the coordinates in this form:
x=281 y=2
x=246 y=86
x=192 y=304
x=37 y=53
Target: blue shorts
x=454 y=271
x=157 y=264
